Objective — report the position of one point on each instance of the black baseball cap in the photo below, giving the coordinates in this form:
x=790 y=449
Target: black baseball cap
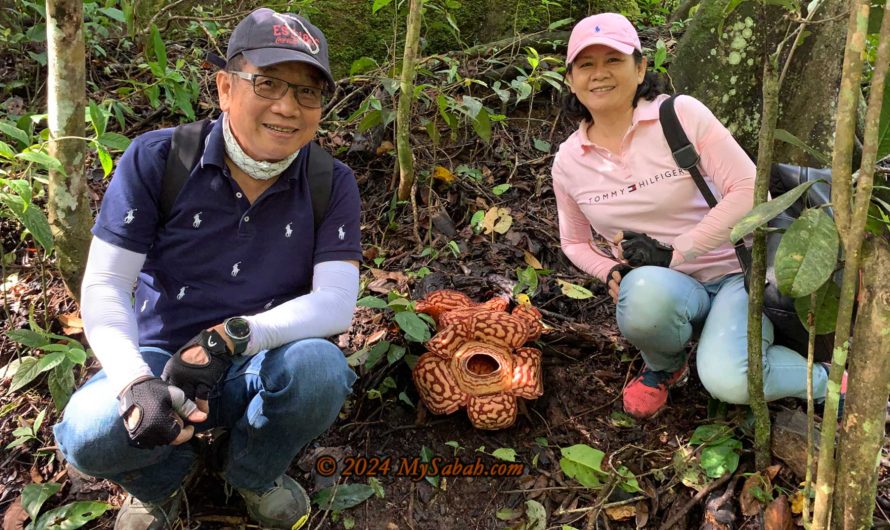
x=266 y=37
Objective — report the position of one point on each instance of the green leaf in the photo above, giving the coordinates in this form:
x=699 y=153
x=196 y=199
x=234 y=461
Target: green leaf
x=722 y=458
x=50 y=361
x=61 y=384
x=371 y=119
x=807 y=254
x=542 y=145
x=535 y=515
x=114 y=141
x=472 y=105
x=482 y=125
x=42 y=159
x=157 y=44
x=711 y=434
x=25 y=374
x=574 y=291
x=34 y=495
x=28 y=338
x=76 y=355
x=105 y=160
x=500 y=189
x=15 y=133
x=394 y=354
x=114 y=13
x=415 y=329
x=33 y=219
x=376 y=353
x=342 y=497
x=762 y=213
x=584 y=464
x=505 y=453
x=785 y=136
x=827 y=301
x=560 y=23
x=361 y=65
x=379 y=4
x=372 y=301
x=97 y=118
x=71 y=516
x=529 y=277
x=884 y=122
x=6 y=151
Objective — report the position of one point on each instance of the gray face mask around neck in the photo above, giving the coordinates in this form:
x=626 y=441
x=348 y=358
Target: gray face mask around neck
x=256 y=169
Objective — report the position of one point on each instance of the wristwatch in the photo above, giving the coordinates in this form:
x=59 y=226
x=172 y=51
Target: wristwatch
x=238 y=330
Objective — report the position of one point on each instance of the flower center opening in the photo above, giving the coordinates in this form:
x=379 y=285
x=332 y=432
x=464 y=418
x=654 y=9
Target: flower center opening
x=482 y=364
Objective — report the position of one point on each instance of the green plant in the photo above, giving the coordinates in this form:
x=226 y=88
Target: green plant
x=58 y=358
x=28 y=431
x=416 y=326
x=584 y=464
x=720 y=449
x=68 y=517
x=178 y=81
x=529 y=280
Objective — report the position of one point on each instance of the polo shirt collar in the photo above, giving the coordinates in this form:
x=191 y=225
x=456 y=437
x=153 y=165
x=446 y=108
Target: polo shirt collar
x=215 y=152
x=645 y=111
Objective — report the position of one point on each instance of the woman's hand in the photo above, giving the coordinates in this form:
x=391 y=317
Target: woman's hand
x=616 y=274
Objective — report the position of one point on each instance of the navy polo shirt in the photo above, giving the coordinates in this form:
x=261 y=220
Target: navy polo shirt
x=218 y=255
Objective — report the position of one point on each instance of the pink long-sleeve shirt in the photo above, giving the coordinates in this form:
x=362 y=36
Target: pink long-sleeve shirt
x=641 y=189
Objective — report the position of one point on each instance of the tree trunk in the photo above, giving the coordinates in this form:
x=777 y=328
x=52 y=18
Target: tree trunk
x=869 y=385
x=724 y=71
x=406 y=99
x=68 y=207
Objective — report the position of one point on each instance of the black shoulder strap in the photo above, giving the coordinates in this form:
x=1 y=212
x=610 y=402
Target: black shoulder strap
x=321 y=176
x=185 y=148
x=684 y=152
x=688 y=158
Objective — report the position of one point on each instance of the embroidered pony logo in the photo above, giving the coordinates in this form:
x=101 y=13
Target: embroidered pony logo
x=235 y=269
x=181 y=294
x=287 y=230
x=269 y=305
x=341 y=233
x=197 y=220
x=131 y=215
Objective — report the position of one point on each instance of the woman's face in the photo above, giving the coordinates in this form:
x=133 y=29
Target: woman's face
x=604 y=79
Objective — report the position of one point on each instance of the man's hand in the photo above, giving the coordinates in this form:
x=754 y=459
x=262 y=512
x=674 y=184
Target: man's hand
x=640 y=249
x=616 y=274
x=152 y=411
x=199 y=366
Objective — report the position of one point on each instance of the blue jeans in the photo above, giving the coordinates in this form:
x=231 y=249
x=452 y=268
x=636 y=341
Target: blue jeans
x=272 y=404
x=660 y=309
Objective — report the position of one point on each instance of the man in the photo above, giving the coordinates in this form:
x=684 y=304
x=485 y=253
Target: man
x=236 y=280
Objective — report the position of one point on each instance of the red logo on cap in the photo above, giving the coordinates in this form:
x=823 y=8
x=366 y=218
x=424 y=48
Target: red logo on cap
x=285 y=34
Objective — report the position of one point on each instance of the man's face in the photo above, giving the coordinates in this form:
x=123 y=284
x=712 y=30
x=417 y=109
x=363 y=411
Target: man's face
x=267 y=129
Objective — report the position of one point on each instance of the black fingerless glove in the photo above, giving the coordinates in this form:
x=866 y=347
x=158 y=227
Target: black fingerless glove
x=197 y=380
x=621 y=269
x=640 y=249
x=157 y=423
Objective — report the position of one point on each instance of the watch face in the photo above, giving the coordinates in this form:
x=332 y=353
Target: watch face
x=237 y=328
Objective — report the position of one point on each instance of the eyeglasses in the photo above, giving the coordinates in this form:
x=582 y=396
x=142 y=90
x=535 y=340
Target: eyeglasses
x=273 y=88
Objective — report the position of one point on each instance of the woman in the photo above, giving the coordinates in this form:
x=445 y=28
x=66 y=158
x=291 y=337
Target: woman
x=616 y=175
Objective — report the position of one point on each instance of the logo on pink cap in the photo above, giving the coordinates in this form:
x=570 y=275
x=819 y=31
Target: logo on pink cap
x=609 y=29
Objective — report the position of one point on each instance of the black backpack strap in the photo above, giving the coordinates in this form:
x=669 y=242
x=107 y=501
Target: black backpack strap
x=688 y=158
x=185 y=149
x=321 y=176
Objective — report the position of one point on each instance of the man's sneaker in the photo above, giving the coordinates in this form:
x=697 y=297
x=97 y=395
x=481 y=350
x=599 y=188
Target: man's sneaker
x=647 y=393
x=285 y=506
x=137 y=515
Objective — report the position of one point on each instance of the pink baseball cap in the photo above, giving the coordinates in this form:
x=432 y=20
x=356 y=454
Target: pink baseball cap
x=608 y=29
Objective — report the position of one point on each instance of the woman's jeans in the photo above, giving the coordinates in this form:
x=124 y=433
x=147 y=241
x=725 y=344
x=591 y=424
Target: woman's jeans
x=659 y=309
x=272 y=404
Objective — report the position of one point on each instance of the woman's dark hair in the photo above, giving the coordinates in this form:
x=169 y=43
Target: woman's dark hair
x=649 y=89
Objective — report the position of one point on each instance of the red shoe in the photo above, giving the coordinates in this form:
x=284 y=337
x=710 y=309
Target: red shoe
x=647 y=393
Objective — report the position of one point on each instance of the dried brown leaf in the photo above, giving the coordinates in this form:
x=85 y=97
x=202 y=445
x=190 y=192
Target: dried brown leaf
x=778 y=515
x=15 y=516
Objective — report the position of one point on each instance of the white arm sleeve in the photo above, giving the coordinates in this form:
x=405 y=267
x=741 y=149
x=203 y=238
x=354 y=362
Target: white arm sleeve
x=325 y=311
x=109 y=319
